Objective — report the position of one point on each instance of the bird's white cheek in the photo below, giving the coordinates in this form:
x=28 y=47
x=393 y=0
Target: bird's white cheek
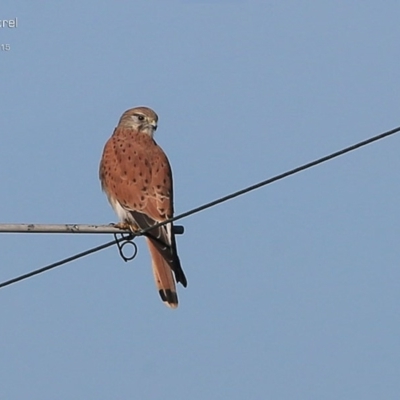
x=149 y=131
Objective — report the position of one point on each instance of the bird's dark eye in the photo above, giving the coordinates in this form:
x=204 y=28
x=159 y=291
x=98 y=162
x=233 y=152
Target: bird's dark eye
x=140 y=117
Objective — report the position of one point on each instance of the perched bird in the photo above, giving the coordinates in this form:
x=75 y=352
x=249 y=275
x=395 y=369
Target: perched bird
x=136 y=176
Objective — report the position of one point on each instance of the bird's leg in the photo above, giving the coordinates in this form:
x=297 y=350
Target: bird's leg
x=128 y=226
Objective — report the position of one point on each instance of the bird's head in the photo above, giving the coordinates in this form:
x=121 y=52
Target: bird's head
x=141 y=119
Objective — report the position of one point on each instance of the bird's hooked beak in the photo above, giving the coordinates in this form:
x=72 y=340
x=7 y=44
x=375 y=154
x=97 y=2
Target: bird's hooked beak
x=153 y=124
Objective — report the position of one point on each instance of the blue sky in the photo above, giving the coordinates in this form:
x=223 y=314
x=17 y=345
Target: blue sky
x=293 y=289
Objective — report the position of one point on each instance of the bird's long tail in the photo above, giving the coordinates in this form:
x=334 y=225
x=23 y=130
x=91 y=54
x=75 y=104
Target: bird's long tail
x=163 y=276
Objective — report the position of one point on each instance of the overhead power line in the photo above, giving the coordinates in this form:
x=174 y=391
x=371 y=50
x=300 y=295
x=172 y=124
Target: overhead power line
x=204 y=206
x=58 y=263
x=280 y=176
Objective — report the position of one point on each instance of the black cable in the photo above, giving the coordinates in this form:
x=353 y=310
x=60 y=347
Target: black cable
x=58 y=263
x=210 y=204
x=275 y=178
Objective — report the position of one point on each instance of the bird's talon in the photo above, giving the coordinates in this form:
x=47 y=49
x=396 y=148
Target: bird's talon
x=124 y=226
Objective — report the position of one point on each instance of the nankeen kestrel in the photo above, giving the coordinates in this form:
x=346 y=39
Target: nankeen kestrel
x=136 y=176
